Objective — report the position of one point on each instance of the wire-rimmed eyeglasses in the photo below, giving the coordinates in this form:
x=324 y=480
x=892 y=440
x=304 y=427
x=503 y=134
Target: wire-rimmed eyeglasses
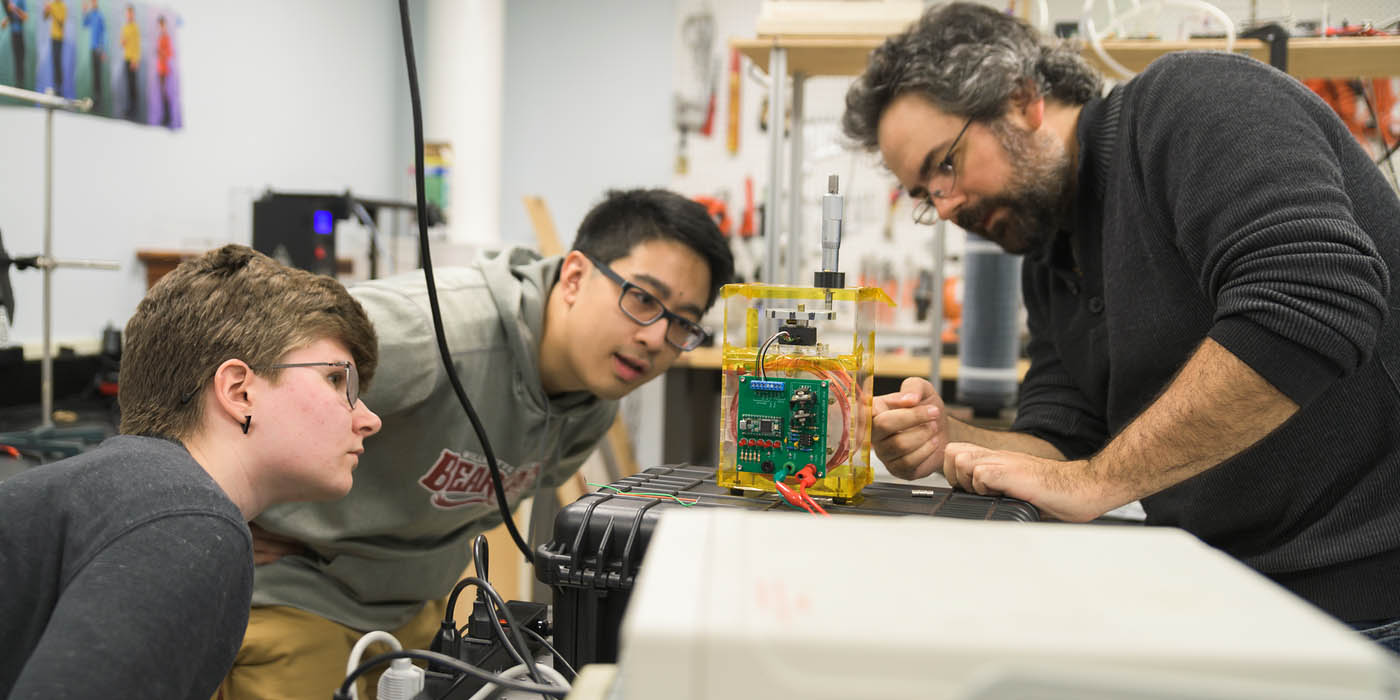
x=352 y=377
x=644 y=308
x=940 y=182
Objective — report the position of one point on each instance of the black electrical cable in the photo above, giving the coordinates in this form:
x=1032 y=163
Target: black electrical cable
x=422 y=210
x=517 y=648
x=449 y=635
x=519 y=655
x=567 y=666
x=343 y=693
x=481 y=556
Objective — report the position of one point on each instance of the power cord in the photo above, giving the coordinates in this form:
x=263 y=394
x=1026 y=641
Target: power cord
x=481 y=557
x=497 y=608
x=540 y=638
x=515 y=672
x=403 y=679
x=422 y=211
x=343 y=693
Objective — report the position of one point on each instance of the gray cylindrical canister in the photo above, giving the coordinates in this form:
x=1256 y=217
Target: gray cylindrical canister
x=990 y=339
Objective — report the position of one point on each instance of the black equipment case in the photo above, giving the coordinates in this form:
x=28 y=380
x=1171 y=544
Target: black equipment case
x=600 y=539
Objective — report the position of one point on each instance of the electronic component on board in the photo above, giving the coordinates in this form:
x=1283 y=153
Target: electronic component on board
x=798 y=370
x=781 y=422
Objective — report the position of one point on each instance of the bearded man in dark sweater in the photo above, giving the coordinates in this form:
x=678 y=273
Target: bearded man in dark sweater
x=1208 y=259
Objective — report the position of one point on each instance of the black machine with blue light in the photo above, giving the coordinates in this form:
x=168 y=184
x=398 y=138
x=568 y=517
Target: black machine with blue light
x=299 y=229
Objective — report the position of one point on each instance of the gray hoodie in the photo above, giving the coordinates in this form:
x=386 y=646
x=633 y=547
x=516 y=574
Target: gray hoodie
x=422 y=489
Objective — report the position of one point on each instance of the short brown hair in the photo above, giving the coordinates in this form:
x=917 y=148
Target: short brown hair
x=230 y=303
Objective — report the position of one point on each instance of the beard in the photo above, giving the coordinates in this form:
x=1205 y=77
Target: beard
x=1037 y=201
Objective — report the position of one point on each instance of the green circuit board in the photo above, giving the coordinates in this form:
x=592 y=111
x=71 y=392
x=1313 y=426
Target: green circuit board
x=780 y=423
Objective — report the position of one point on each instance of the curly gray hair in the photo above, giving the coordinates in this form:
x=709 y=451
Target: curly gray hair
x=969 y=60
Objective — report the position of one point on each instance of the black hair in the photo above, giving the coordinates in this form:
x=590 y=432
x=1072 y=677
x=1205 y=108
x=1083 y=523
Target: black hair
x=627 y=218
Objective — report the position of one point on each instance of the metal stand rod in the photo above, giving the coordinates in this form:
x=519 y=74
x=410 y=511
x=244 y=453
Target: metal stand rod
x=394 y=242
x=46 y=361
x=777 y=73
x=794 y=256
x=935 y=307
x=46 y=100
x=49 y=103
x=44 y=262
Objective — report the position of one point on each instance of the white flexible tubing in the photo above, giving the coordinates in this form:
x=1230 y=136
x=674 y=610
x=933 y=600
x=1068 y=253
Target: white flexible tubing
x=359 y=649
x=1216 y=12
x=1091 y=34
x=1087 y=28
x=520 y=672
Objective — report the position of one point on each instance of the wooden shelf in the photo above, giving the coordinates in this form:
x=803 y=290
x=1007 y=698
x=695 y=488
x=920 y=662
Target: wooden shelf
x=812 y=55
x=886 y=364
x=1344 y=57
x=1335 y=57
x=159 y=262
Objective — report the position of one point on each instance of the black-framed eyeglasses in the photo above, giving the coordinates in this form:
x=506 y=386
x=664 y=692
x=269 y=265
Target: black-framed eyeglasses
x=352 y=376
x=940 y=182
x=644 y=308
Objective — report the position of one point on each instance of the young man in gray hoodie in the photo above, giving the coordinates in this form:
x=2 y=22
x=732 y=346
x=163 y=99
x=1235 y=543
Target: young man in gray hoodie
x=544 y=348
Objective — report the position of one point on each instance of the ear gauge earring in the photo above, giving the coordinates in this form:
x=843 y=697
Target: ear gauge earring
x=247 y=422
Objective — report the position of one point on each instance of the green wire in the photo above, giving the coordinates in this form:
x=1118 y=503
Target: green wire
x=778 y=478
x=687 y=504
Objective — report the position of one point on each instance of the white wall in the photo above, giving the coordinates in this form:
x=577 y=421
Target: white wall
x=587 y=106
x=298 y=95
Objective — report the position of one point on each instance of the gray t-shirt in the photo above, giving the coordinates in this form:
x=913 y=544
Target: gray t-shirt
x=124 y=572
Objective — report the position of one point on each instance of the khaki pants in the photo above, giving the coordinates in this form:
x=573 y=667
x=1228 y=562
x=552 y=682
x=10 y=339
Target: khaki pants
x=292 y=654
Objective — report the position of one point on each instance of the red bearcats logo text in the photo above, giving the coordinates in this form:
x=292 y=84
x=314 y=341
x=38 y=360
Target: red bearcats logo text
x=458 y=481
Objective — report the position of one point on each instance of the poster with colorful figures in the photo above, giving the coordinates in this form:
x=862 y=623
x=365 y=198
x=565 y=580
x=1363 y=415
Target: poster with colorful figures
x=124 y=56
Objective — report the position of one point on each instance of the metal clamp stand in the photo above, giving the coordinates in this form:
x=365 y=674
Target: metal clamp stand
x=46 y=438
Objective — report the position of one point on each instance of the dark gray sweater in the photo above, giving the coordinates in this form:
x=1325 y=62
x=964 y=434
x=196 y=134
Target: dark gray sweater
x=125 y=572
x=1219 y=197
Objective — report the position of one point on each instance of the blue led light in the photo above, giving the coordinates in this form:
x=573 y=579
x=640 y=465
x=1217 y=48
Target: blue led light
x=322 y=222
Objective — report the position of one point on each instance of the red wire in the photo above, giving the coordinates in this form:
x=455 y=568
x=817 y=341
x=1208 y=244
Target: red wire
x=803 y=488
x=792 y=497
x=807 y=476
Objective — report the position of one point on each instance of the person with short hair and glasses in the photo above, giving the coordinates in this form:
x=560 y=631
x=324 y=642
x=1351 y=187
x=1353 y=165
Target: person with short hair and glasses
x=544 y=346
x=644 y=308
x=127 y=570
x=1208 y=276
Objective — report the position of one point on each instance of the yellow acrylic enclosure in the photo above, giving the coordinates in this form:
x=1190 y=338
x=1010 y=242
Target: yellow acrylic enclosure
x=843 y=356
